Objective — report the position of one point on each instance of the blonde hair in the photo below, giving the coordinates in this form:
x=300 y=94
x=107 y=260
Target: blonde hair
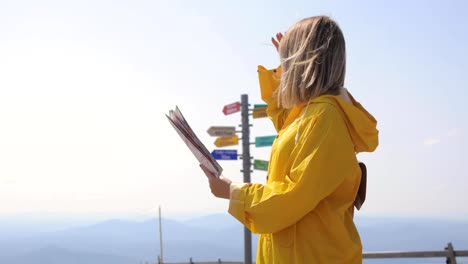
x=313 y=61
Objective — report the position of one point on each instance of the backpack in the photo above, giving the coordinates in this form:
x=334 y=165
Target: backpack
x=361 y=194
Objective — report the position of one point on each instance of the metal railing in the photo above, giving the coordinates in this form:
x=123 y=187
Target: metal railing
x=449 y=253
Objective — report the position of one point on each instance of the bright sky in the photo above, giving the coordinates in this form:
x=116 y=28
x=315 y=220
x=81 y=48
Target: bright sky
x=84 y=86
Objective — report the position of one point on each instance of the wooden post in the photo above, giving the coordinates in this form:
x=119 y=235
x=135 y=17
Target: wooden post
x=450 y=254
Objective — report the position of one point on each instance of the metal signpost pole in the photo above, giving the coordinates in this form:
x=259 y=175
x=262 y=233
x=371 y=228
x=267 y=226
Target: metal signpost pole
x=246 y=168
x=161 y=260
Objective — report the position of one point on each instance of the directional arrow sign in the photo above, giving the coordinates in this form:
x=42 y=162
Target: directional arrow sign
x=261 y=165
x=222 y=131
x=259 y=112
x=226 y=141
x=231 y=108
x=264 y=141
x=224 y=154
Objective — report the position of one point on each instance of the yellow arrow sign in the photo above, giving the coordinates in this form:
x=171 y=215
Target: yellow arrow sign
x=226 y=141
x=259 y=112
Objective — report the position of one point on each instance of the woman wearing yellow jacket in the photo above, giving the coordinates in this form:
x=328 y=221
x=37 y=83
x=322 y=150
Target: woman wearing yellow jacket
x=304 y=213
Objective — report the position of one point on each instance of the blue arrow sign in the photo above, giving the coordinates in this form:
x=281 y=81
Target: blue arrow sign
x=224 y=154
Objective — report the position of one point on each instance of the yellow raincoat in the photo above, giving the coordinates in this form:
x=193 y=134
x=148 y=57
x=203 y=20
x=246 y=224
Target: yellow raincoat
x=304 y=212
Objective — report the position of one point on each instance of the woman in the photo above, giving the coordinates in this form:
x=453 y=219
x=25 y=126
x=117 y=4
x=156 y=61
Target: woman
x=304 y=213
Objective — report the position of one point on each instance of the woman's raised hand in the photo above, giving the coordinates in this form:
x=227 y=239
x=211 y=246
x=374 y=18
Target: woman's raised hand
x=277 y=41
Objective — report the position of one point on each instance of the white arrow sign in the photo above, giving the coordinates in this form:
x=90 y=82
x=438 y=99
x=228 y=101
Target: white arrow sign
x=222 y=131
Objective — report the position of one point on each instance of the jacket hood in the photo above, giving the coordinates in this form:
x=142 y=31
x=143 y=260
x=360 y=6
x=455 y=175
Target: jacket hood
x=361 y=125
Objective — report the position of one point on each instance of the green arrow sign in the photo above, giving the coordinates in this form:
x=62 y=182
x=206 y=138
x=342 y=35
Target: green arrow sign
x=261 y=165
x=264 y=141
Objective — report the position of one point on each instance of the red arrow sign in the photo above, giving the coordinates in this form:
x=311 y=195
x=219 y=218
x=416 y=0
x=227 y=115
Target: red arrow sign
x=231 y=108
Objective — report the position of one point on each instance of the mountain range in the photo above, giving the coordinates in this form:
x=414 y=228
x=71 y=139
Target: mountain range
x=207 y=238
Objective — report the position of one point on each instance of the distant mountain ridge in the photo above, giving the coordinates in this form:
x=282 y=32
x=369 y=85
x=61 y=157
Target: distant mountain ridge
x=204 y=238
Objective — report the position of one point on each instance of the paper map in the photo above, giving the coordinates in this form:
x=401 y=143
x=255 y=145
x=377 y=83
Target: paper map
x=202 y=154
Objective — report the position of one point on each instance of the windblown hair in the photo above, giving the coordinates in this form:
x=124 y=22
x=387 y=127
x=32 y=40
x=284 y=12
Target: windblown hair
x=313 y=61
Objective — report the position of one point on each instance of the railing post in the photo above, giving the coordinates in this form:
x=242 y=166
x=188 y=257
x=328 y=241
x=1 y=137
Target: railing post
x=450 y=254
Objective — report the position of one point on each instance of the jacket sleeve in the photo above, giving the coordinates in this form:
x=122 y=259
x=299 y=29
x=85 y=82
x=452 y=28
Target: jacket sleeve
x=318 y=168
x=269 y=83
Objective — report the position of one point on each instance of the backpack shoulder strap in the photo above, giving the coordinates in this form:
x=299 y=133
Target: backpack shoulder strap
x=361 y=194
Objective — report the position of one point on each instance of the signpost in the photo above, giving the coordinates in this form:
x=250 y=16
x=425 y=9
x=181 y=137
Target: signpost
x=226 y=141
x=231 y=108
x=246 y=166
x=261 y=165
x=227 y=137
x=264 y=141
x=222 y=131
x=224 y=154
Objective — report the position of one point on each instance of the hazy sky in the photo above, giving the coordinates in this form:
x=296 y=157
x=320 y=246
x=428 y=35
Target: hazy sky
x=84 y=86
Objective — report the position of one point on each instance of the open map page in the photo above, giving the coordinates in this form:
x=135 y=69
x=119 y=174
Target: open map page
x=202 y=154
